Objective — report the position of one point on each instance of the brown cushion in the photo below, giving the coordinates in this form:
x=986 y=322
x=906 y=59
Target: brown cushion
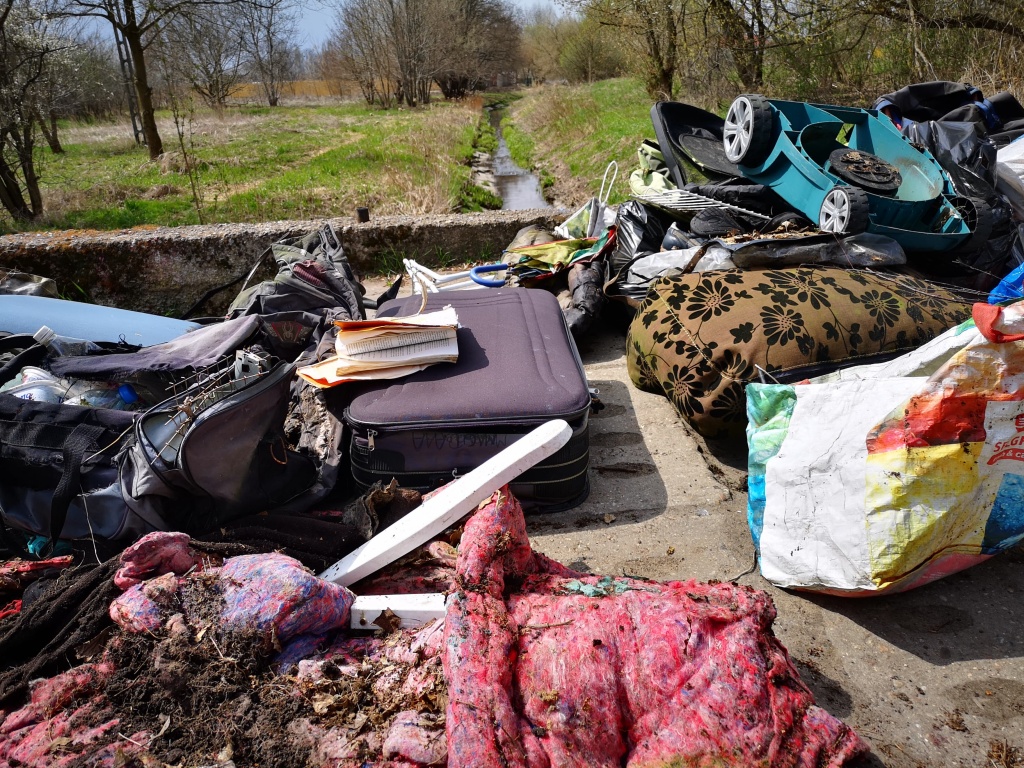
x=699 y=338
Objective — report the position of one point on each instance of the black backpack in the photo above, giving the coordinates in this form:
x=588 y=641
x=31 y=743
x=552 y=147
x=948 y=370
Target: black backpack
x=313 y=275
x=60 y=477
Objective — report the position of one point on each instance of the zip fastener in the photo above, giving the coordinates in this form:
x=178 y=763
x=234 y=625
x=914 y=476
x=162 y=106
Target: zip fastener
x=370 y=434
x=379 y=473
x=406 y=426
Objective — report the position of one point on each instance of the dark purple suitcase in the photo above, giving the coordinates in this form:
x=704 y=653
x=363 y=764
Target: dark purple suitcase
x=518 y=367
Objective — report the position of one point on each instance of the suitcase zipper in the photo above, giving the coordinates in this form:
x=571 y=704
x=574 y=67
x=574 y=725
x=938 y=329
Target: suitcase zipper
x=406 y=426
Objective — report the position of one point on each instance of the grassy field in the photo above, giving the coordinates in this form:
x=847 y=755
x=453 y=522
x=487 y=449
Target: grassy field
x=569 y=134
x=298 y=162
x=262 y=164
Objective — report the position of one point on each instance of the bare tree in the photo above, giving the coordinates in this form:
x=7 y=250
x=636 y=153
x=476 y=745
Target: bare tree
x=330 y=67
x=209 y=51
x=361 y=39
x=544 y=36
x=269 y=25
x=140 y=23
x=482 y=41
x=411 y=38
x=82 y=80
x=99 y=83
x=590 y=53
x=28 y=44
x=652 y=28
x=138 y=26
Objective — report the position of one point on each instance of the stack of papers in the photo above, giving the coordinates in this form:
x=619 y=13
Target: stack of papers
x=387 y=348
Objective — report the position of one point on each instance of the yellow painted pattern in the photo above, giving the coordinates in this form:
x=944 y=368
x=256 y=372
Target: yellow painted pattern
x=924 y=501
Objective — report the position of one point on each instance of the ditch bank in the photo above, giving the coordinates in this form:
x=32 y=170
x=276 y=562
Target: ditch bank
x=165 y=270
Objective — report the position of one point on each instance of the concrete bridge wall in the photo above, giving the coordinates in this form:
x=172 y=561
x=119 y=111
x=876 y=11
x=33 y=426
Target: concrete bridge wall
x=166 y=270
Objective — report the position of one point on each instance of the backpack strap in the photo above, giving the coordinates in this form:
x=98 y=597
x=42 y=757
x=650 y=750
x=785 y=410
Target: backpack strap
x=83 y=439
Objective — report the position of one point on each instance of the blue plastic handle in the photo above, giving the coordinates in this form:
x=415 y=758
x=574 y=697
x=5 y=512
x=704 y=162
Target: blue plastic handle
x=475 y=273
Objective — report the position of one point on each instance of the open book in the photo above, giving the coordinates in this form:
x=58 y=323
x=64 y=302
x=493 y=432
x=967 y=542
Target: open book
x=387 y=348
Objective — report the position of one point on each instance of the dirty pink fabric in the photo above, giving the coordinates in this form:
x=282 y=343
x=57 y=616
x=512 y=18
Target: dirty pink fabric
x=271 y=593
x=15 y=575
x=430 y=568
x=143 y=607
x=276 y=593
x=155 y=554
x=18 y=573
x=68 y=720
x=404 y=667
x=416 y=738
x=13 y=608
x=58 y=725
x=550 y=668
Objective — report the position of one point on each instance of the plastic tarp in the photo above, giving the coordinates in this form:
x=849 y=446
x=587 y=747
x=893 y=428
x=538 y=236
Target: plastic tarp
x=885 y=477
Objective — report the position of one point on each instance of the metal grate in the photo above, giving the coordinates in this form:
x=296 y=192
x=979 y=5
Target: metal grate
x=679 y=200
x=196 y=393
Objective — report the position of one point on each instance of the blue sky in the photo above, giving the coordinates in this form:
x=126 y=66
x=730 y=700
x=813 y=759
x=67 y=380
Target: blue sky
x=316 y=19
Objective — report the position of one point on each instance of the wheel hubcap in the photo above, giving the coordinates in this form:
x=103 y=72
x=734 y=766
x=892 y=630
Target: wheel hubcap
x=739 y=126
x=835 y=212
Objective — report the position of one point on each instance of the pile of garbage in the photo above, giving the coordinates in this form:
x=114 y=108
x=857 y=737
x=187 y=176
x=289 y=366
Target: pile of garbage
x=249 y=660
x=832 y=292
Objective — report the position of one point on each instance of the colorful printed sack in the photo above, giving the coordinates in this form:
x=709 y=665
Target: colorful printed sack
x=885 y=477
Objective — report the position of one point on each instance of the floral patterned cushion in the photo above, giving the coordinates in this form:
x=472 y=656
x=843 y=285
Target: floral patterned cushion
x=699 y=338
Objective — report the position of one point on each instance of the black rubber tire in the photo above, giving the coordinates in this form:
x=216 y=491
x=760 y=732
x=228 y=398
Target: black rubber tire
x=856 y=218
x=864 y=170
x=794 y=219
x=978 y=216
x=760 y=144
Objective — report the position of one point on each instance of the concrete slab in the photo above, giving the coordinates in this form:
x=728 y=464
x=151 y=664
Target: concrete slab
x=933 y=677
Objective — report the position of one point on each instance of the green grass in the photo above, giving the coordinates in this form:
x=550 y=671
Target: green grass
x=261 y=164
x=521 y=145
x=298 y=162
x=571 y=133
x=486 y=137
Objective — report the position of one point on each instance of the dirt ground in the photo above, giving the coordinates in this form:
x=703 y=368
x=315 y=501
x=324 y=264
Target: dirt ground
x=930 y=678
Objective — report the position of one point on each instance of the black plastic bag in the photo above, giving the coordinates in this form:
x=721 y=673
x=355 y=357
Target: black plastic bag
x=639 y=230
x=963 y=151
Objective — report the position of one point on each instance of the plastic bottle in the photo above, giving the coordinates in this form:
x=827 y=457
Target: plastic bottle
x=33 y=383
x=99 y=394
x=63 y=345
x=48 y=390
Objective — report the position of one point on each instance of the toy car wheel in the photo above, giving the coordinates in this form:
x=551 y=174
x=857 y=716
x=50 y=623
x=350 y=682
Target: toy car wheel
x=747 y=133
x=844 y=211
x=864 y=170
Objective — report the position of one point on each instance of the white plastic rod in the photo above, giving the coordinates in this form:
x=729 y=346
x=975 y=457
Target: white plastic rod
x=450 y=505
x=413 y=611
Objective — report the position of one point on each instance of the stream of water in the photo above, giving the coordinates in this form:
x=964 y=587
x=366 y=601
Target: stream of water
x=518 y=188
